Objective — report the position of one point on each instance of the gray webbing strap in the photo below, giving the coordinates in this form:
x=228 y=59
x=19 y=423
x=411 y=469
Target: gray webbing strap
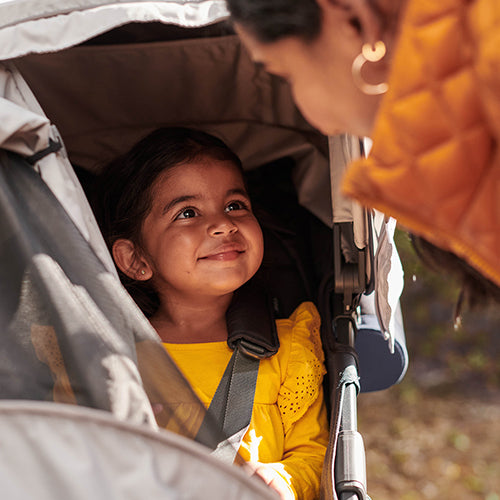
x=232 y=403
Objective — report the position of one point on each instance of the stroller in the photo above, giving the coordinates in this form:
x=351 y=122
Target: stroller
x=80 y=82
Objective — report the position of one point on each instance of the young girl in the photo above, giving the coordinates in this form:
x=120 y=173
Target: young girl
x=178 y=219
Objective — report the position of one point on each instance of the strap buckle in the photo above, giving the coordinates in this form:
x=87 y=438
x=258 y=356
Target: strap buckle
x=251 y=349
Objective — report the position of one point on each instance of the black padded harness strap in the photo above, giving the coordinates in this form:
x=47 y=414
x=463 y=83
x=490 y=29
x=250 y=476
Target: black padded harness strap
x=250 y=322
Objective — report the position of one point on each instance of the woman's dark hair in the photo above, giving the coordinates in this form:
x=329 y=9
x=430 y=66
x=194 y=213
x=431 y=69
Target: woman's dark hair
x=271 y=20
x=124 y=190
x=476 y=291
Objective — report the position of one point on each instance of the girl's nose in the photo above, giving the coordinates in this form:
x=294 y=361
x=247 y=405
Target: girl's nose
x=222 y=225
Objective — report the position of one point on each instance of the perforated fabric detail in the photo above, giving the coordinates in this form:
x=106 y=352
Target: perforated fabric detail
x=305 y=369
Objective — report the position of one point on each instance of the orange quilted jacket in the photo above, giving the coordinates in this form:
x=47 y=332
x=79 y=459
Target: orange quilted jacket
x=435 y=161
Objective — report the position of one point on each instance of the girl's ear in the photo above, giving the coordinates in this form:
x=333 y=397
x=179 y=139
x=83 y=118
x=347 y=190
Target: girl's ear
x=129 y=261
x=363 y=16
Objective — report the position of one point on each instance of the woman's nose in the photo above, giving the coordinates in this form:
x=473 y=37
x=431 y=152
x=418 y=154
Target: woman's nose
x=222 y=225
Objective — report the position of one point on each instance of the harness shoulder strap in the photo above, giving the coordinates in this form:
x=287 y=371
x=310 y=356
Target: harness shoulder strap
x=253 y=336
x=232 y=404
x=250 y=321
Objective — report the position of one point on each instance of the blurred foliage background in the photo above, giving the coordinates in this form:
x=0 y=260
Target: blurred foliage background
x=436 y=435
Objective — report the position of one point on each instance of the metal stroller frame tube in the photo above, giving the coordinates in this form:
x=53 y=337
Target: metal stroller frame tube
x=350 y=471
x=350 y=462
x=344 y=471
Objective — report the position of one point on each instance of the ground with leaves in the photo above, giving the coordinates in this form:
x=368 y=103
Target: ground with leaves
x=437 y=434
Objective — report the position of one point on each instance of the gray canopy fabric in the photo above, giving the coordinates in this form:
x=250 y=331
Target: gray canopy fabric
x=59 y=452
x=25 y=130
x=38 y=26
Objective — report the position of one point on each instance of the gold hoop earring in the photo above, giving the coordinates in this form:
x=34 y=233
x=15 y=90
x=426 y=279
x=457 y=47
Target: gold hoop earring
x=369 y=53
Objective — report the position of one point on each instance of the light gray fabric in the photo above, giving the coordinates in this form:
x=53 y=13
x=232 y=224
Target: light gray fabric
x=24 y=129
x=18 y=11
x=389 y=280
x=38 y=26
x=58 y=452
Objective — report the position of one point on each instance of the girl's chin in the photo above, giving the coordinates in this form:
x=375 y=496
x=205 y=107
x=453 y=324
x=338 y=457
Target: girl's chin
x=225 y=289
x=221 y=288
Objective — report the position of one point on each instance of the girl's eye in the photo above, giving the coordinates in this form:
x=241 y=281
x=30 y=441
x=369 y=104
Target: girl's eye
x=186 y=213
x=236 y=205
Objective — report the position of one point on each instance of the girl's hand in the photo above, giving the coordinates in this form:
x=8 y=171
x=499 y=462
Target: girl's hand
x=274 y=480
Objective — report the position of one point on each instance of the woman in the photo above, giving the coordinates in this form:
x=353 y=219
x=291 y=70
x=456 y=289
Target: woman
x=422 y=79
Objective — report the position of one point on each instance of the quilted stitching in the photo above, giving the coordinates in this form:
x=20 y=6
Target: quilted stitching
x=432 y=164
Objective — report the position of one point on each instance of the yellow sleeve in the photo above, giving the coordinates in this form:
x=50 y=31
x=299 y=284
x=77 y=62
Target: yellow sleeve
x=302 y=406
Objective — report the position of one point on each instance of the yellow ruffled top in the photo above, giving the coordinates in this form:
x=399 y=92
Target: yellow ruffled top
x=289 y=426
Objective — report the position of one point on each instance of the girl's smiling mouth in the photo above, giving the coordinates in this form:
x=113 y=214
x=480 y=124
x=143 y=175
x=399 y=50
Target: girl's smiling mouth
x=225 y=252
x=231 y=255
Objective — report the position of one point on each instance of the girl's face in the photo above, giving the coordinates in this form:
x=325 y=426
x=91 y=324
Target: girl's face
x=320 y=74
x=201 y=237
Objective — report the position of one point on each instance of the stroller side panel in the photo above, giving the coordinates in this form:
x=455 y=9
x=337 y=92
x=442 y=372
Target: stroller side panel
x=79 y=453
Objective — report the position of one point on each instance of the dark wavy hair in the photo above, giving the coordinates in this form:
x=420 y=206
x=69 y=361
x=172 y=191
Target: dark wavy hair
x=271 y=20
x=123 y=197
x=476 y=289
